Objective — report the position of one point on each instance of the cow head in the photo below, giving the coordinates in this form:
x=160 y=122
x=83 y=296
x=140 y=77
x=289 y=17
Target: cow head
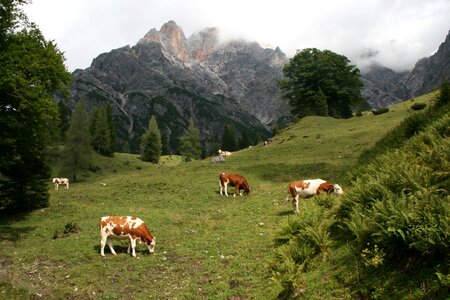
x=247 y=190
x=151 y=245
x=337 y=189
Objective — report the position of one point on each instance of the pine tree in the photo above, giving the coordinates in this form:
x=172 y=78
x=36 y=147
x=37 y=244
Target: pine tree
x=100 y=135
x=190 y=142
x=112 y=129
x=229 y=140
x=151 y=142
x=444 y=94
x=103 y=132
x=78 y=151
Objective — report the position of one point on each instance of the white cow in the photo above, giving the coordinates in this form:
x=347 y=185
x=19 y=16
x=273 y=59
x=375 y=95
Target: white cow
x=61 y=181
x=224 y=153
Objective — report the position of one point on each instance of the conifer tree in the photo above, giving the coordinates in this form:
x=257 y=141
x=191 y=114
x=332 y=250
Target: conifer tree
x=190 y=147
x=229 y=139
x=444 y=93
x=100 y=132
x=151 y=144
x=112 y=129
x=78 y=151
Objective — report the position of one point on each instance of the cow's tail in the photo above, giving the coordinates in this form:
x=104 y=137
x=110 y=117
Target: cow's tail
x=285 y=200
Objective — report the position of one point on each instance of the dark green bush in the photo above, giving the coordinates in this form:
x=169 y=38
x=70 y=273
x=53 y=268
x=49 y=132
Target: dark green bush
x=69 y=228
x=380 y=111
x=418 y=106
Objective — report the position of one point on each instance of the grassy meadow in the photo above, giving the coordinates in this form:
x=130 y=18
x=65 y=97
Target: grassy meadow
x=207 y=245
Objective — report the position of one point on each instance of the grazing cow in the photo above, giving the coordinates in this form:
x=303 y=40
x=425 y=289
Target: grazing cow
x=224 y=153
x=61 y=181
x=308 y=188
x=131 y=228
x=235 y=180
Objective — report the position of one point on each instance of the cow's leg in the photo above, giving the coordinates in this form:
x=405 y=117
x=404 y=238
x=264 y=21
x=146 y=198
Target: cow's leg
x=295 y=204
x=67 y=185
x=236 y=190
x=109 y=242
x=225 y=188
x=221 y=187
x=133 y=246
x=56 y=186
x=102 y=245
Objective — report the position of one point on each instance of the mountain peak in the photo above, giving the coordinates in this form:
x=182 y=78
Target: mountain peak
x=171 y=37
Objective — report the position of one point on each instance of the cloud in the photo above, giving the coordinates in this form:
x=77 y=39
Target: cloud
x=400 y=32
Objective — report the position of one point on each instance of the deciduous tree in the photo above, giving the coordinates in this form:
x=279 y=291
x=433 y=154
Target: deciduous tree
x=31 y=71
x=321 y=83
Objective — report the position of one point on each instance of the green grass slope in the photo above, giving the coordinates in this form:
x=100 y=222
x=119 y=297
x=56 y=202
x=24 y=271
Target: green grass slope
x=208 y=246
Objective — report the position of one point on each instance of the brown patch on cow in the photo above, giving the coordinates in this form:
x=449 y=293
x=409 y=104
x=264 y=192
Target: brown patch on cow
x=145 y=234
x=293 y=186
x=103 y=223
x=325 y=187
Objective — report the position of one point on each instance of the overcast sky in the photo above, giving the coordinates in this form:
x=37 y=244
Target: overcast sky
x=394 y=33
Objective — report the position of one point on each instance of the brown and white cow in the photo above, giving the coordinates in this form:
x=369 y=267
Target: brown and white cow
x=310 y=187
x=61 y=181
x=236 y=180
x=125 y=227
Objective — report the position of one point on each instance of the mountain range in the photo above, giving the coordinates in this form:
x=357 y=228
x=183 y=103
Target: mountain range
x=384 y=87
x=216 y=83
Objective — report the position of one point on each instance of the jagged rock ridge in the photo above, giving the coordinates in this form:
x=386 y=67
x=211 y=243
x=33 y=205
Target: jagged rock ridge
x=175 y=78
x=384 y=87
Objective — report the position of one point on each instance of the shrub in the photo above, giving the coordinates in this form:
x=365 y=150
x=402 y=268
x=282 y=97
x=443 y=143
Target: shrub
x=69 y=228
x=418 y=106
x=380 y=111
x=304 y=238
x=402 y=201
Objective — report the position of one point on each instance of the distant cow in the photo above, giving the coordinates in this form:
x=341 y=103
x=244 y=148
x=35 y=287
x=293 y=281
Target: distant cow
x=132 y=228
x=224 y=153
x=61 y=181
x=310 y=187
x=236 y=180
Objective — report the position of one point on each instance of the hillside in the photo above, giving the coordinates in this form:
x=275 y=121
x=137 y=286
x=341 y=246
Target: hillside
x=208 y=246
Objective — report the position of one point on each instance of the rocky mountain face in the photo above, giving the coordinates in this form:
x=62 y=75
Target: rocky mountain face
x=217 y=83
x=383 y=86
x=175 y=78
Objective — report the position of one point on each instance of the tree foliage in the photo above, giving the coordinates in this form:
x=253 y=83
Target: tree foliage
x=151 y=144
x=190 y=142
x=103 y=133
x=229 y=138
x=444 y=93
x=32 y=70
x=321 y=83
x=77 y=152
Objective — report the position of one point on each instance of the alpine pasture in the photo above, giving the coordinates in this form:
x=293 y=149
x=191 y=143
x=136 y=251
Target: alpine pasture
x=207 y=246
